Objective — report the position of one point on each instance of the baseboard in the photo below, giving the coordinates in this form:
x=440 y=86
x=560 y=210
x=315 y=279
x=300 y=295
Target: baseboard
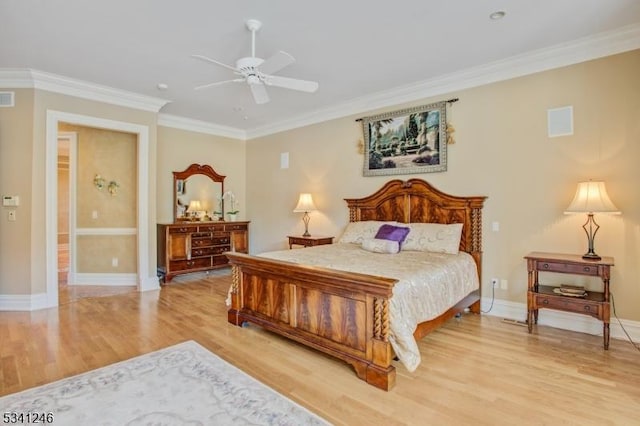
x=23 y=302
x=105 y=279
x=560 y=319
x=33 y=302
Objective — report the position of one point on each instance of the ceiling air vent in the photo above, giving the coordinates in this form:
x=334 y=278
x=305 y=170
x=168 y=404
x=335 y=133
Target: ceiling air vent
x=7 y=99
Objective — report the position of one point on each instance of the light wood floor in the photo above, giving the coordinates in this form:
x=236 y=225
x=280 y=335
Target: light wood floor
x=475 y=370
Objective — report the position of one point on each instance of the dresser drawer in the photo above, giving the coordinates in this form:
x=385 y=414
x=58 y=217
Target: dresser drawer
x=236 y=227
x=212 y=228
x=568 y=268
x=182 y=229
x=208 y=251
x=212 y=241
x=181 y=265
x=220 y=260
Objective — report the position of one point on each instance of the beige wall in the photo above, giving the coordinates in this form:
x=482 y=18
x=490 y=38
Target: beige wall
x=503 y=152
x=16 y=137
x=177 y=149
x=112 y=155
x=95 y=253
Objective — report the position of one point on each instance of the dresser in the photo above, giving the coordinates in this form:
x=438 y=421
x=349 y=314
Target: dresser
x=198 y=246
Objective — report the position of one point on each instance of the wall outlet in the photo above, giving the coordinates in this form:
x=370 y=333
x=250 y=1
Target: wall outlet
x=11 y=216
x=494 y=282
x=504 y=284
x=114 y=262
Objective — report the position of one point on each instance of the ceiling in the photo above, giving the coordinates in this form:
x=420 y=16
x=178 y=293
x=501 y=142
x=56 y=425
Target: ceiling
x=361 y=52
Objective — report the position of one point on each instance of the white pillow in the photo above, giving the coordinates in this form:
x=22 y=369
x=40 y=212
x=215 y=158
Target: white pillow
x=356 y=232
x=376 y=245
x=434 y=237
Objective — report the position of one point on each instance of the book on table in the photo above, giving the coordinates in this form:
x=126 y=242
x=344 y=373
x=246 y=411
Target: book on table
x=570 y=290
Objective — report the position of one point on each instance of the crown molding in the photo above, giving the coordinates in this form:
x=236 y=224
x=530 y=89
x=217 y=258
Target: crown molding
x=198 y=126
x=588 y=48
x=33 y=79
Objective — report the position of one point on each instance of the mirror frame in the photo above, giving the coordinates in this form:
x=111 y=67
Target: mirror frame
x=196 y=169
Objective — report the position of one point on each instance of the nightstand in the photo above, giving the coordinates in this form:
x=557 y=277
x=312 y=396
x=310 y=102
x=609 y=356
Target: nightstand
x=308 y=241
x=594 y=303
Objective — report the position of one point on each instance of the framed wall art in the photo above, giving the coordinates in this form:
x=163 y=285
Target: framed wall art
x=180 y=186
x=412 y=140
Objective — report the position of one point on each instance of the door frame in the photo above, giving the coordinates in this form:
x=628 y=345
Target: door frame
x=72 y=137
x=145 y=280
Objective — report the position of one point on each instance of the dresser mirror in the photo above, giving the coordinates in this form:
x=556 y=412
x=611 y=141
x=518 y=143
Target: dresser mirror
x=197 y=194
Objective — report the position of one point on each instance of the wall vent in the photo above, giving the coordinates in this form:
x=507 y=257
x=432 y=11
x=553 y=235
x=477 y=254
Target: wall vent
x=560 y=121
x=7 y=99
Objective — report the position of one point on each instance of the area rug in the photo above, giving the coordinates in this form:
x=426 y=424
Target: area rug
x=184 y=384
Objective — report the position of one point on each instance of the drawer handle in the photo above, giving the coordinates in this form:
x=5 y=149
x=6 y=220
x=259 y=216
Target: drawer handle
x=587 y=308
x=586 y=269
x=545 y=266
x=545 y=302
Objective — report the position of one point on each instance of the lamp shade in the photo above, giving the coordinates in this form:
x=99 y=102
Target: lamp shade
x=305 y=204
x=194 y=206
x=591 y=197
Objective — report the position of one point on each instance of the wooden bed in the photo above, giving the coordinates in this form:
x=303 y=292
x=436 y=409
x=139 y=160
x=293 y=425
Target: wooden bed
x=346 y=314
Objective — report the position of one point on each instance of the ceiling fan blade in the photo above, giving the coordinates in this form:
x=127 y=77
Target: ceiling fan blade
x=213 y=61
x=259 y=93
x=291 y=83
x=218 y=83
x=276 y=62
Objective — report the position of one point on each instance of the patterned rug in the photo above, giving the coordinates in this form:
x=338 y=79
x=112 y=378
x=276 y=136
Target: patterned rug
x=184 y=384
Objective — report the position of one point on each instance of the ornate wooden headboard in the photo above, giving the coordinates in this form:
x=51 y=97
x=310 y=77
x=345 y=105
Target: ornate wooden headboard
x=415 y=200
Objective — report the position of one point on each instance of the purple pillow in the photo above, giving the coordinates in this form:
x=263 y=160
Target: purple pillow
x=393 y=233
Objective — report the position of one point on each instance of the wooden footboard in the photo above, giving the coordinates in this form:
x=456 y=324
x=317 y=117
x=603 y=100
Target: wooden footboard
x=343 y=314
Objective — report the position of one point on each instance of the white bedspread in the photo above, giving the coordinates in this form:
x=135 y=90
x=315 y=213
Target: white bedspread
x=428 y=284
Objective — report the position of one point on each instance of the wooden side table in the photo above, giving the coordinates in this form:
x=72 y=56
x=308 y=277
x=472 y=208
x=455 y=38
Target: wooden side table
x=308 y=241
x=595 y=304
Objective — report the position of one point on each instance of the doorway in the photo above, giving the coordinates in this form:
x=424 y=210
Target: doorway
x=143 y=279
x=83 y=244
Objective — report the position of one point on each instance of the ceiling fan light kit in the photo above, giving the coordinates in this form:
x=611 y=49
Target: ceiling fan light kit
x=258 y=73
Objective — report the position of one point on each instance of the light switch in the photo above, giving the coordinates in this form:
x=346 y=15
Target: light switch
x=495 y=226
x=94 y=214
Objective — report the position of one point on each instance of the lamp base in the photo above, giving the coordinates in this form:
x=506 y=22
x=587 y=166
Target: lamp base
x=591 y=256
x=305 y=219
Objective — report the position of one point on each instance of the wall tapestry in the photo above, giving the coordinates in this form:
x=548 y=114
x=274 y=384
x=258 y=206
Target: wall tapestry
x=412 y=140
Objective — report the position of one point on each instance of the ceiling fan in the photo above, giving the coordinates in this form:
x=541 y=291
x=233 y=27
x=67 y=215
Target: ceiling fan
x=258 y=73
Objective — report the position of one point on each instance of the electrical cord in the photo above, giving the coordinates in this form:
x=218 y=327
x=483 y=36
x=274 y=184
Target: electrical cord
x=613 y=304
x=493 y=297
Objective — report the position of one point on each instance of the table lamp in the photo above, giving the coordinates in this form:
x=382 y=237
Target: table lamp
x=305 y=204
x=591 y=197
x=194 y=208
